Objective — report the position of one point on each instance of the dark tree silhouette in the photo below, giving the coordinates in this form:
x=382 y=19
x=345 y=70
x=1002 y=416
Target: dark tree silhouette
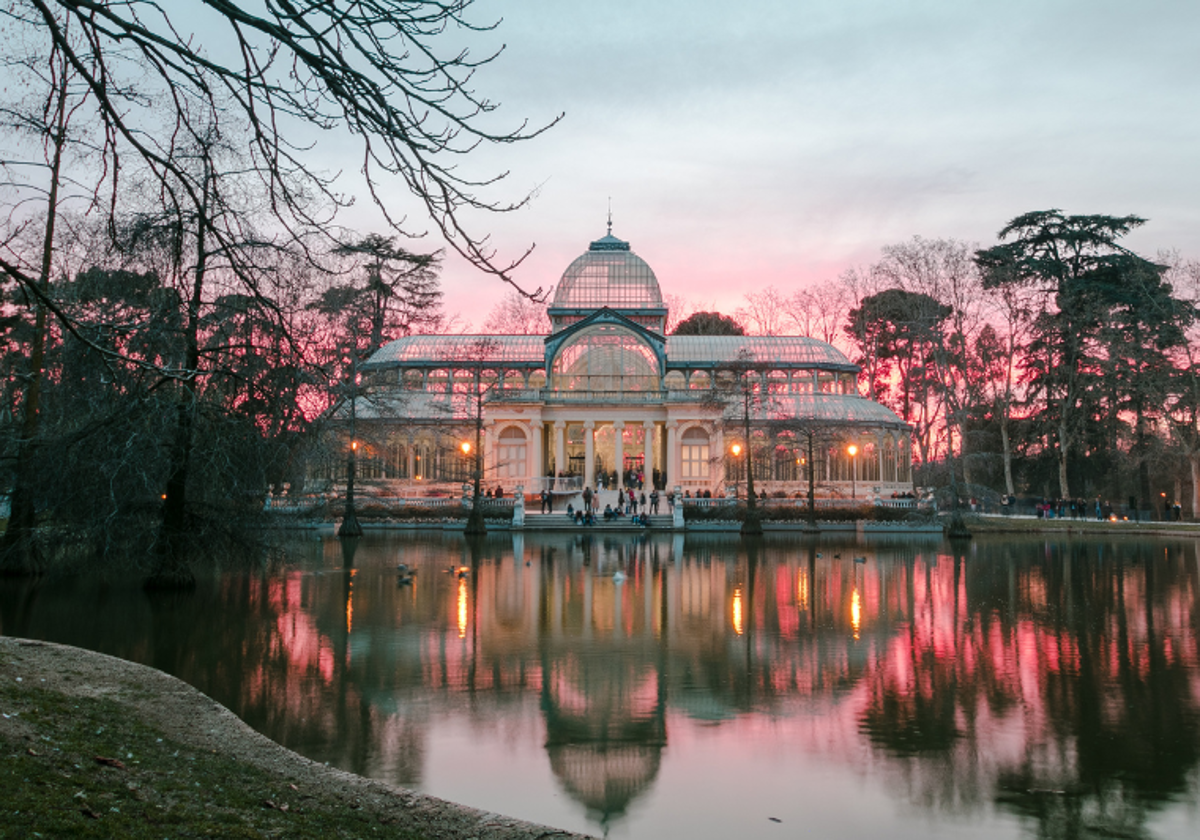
x=708 y=323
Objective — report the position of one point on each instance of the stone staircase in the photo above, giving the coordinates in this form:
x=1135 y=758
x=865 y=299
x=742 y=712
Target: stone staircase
x=562 y=522
x=559 y=521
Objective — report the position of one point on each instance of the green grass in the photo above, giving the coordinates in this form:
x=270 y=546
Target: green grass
x=52 y=783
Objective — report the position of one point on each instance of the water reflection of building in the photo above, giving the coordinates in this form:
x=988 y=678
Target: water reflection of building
x=988 y=679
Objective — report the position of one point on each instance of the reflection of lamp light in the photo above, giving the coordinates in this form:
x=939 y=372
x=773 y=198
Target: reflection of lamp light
x=855 y=612
x=853 y=450
x=462 y=606
x=737 y=611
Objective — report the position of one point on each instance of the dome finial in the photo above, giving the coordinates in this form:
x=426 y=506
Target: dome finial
x=610 y=215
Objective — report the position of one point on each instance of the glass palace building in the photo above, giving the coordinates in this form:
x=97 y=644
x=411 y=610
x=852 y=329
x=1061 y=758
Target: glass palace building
x=608 y=399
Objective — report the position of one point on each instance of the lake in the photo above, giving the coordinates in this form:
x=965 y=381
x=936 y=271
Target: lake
x=645 y=686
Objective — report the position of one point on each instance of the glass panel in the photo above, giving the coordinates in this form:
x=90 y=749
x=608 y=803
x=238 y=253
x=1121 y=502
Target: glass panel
x=606 y=358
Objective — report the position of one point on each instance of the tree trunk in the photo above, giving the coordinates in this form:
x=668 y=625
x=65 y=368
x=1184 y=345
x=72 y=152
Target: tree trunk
x=1064 y=446
x=19 y=554
x=172 y=569
x=1194 y=462
x=1006 y=452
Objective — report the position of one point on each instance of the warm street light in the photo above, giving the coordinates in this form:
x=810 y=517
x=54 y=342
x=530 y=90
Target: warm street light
x=853 y=450
x=736 y=451
x=465 y=447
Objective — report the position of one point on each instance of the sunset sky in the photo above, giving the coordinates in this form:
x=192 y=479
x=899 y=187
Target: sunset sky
x=781 y=141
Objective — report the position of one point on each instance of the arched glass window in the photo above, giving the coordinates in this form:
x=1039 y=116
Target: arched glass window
x=904 y=461
x=605 y=358
x=693 y=453
x=889 y=458
x=868 y=461
x=511 y=453
x=414 y=380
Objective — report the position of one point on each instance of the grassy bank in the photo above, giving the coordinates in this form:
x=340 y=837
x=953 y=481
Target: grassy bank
x=92 y=746
x=85 y=767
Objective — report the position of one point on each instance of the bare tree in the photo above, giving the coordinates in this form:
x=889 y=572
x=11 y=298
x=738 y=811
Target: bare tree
x=764 y=312
x=944 y=270
x=1013 y=312
x=1184 y=413
x=49 y=124
x=818 y=312
x=379 y=72
x=517 y=314
x=679 y=309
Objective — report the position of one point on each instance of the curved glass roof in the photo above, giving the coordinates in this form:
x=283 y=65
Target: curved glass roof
x=447 y=349
x=782 y=351
x=608 y=274
x=834 y=409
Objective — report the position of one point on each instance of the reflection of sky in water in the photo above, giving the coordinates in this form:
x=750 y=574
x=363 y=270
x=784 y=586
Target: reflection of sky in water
x=1023 y=687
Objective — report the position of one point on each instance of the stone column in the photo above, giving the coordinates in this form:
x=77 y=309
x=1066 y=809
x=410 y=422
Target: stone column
x=490 y=462
x=648 y=452
x=560 y=446
x=672 y=465
x=589 y=453
x=412 y=459
x=619 y=450
x=537 y=444
x=719 y=452
x=879 y=458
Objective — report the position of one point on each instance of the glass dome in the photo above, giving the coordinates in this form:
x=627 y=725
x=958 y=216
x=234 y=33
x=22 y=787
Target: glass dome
x=608 y=274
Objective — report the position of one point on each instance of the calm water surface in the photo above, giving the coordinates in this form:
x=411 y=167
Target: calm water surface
x=1015 y=688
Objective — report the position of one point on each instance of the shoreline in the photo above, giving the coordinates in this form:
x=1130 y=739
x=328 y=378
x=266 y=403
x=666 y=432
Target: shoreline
x=36 y=673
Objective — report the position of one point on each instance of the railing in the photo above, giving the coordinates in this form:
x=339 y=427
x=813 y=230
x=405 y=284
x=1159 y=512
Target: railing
x=555 y=484
x=553 y=395
x=803 y=503
x=307 y=504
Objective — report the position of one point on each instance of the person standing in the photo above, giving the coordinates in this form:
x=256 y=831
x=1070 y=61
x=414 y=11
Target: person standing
x=587 y=499
x=654 y=501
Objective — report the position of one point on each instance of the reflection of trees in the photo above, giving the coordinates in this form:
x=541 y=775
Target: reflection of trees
x=1089 y=651
x=1056 y=679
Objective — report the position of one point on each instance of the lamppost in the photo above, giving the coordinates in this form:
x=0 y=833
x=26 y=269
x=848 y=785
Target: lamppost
x=350 y=526
x=853 y=451
x=736 y=451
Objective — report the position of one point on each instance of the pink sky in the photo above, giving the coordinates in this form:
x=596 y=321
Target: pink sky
x=782 y=144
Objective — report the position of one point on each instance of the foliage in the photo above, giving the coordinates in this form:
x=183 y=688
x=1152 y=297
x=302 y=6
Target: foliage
x=708 y=323
x=1098 y=347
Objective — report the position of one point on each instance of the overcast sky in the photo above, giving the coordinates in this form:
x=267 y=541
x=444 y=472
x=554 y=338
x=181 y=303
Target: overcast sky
x=777 y=142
